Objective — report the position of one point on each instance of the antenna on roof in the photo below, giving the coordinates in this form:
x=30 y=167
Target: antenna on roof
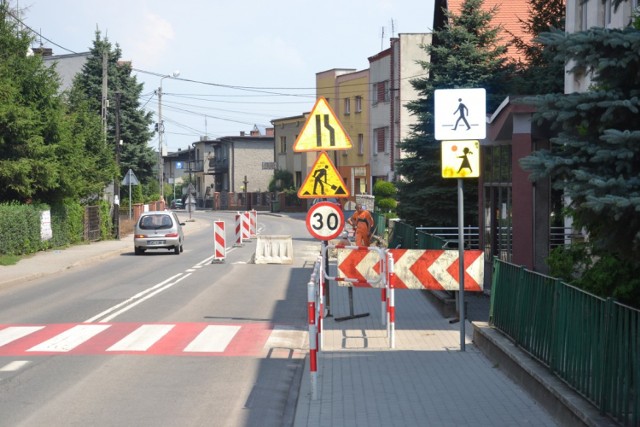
x=393 y=28
x=382 y=39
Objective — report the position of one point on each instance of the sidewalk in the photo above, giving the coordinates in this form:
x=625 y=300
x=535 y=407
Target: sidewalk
x=426 y=380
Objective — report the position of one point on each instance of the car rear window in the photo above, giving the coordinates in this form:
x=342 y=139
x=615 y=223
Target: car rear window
x=156 y=222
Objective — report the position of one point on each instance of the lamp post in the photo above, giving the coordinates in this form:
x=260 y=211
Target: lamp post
x=161 y=132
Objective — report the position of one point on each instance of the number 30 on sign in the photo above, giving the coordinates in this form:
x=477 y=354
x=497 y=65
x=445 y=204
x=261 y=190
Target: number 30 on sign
x=325 y=220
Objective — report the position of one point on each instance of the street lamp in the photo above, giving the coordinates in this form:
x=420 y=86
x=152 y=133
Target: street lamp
x=161 y=132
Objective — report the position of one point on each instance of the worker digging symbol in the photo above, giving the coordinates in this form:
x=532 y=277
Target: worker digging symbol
x=320 y=178
x=465 y=160
x=463 y=111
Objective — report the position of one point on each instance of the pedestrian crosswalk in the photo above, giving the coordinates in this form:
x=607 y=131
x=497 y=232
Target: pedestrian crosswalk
x=198 y=339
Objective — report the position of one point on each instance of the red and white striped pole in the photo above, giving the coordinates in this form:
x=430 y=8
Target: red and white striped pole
x=238 y=230
x=246 y=232
x=392 y=303
x=320 y=290
x=220 y=242
x=254 y=223
x=313 y=339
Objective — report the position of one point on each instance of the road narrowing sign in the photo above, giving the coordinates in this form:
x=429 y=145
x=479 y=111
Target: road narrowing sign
x=325 y=220
x=460 y=159
x=323 y=181
x=322 y=131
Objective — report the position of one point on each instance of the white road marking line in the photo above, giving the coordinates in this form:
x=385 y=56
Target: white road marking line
x=14 y=366
x=127 y=301
x=13 y=333
x=142 y=338
x=213 y=339
x=70 y=339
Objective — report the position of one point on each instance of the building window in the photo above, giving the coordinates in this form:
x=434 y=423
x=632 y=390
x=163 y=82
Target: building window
x=360 y=144
x=298 y=179
x=347 y=106
x=358 y=104
x=380 y=135
x=380 y=92
x=283 y=144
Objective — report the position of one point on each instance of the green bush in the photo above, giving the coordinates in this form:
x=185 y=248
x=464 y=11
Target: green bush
x=19 y=229
x=384 y=193
x=600 y=273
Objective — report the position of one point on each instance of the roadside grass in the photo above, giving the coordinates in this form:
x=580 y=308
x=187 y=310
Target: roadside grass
x=9 y=259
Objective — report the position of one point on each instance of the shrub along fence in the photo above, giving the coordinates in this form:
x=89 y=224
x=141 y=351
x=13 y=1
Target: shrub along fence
x=592 y=343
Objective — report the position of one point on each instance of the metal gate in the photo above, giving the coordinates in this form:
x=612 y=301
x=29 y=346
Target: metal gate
x=91 y=223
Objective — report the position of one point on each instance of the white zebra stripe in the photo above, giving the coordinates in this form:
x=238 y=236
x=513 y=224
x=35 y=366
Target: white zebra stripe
x=142 y=338
x=13 y=333
x=213 y=339
x=70 y=339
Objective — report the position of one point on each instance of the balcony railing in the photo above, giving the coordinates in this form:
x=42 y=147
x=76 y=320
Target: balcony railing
x=218 y=165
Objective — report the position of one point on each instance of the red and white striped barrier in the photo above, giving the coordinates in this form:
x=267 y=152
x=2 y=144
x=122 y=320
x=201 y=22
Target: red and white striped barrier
x=238 y=230
x=220 y=242
x=246 y=226
x=253 y=223
x=313 y=316
x=391 y=324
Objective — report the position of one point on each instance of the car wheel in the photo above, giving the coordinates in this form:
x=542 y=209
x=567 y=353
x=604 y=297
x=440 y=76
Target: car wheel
x=138 y=251
x=176 y=249
x=181 y=248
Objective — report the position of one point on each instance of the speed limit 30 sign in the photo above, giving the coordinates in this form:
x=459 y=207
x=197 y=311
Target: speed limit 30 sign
x=325 y=220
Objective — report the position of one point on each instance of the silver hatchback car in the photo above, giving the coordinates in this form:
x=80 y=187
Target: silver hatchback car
x=158 y=230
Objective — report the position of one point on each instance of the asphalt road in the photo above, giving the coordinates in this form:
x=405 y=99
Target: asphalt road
x=160 y=339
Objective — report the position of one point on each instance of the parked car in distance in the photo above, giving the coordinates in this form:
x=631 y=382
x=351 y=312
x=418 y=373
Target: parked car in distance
x=177 y=204
x=158 y=230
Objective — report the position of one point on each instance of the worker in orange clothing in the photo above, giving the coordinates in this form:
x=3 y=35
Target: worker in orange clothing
x=363 y=223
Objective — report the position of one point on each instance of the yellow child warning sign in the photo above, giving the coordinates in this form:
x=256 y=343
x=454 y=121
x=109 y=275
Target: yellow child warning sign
x=323 y=181
x=460 y=159
x=322 y=131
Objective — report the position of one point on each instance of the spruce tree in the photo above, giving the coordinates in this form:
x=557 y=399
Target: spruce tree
x=135 y=122
x=595 y=157
x=466 y=53
x=537 y=72
x=48 y=152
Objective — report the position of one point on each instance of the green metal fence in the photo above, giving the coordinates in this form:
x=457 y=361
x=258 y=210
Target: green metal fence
x=381 y=223
x=429 y=241
x=591 y=343
x=402 y=236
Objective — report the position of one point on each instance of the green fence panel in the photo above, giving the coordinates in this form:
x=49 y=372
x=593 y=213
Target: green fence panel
x=591 y=343
x=428 y=241
x=381 y=223
x=403 y=236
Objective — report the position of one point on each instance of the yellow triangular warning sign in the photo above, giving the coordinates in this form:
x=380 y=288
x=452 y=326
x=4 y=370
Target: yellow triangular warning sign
x=322 y=131
x=323 y=181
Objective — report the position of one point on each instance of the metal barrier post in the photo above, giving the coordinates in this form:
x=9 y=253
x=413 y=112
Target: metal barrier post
x=238 y=230
x=220 y=242
x=392 y=303
x=313 y=361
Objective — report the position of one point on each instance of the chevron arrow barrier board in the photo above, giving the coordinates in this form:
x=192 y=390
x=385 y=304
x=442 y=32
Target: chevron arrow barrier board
x=415 y=268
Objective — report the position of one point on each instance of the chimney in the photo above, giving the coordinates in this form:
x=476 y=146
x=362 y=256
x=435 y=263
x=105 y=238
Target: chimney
x=269 y=132
x=255 y=133
x=241 y=133
x=42 y=51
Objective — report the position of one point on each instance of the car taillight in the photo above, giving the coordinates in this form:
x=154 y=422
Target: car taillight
x=140 y=236
x=171 y=235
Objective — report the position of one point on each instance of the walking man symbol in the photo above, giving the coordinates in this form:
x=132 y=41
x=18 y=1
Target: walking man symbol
x=463 y=111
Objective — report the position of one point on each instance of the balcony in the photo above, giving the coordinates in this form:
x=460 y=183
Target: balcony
x=217 y=165
x=195 y=166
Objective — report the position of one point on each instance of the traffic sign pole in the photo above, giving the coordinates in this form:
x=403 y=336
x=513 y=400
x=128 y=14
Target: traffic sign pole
x=461 y=262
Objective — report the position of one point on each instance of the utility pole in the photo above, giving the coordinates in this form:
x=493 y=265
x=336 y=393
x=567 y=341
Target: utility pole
x=116 y=180
x=160 y=132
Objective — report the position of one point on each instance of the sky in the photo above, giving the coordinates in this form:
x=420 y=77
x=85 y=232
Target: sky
x=241 y=63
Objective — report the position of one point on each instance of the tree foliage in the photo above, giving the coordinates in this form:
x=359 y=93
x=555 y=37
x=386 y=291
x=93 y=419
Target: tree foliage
x=466 y=53
x=48 y=151
x=135 y=122
x=537 y=72
x=595 y=158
